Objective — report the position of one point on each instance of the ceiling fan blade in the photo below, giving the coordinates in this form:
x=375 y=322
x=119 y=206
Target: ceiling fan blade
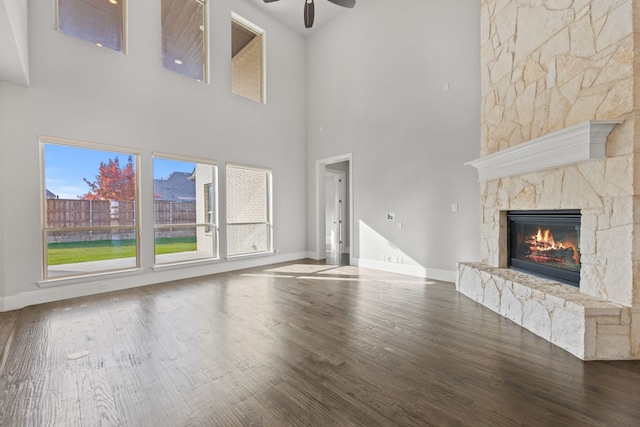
x=309 y=12
x=343 y=3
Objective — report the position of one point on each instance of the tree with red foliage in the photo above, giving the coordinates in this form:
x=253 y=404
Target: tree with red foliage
x=113 y=182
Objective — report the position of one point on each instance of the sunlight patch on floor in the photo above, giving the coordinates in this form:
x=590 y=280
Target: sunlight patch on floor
x=301 y=268
x=339 y=279
x=279 y=276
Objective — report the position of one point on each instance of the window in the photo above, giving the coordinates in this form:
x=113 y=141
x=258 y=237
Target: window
x=247 y=59
x=90 y=216
x=184 y=37
x=248 y=210
x=184 y=209
x=98 y=21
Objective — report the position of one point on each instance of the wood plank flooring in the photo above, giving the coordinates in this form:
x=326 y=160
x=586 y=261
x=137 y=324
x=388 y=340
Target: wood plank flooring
x=298 y=344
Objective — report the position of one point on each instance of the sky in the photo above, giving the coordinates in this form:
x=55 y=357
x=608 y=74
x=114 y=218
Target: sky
x=66 y=166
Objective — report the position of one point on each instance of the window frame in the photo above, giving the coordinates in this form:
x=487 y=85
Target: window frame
x=211 y=229
x=44 y=230
x=269 y=206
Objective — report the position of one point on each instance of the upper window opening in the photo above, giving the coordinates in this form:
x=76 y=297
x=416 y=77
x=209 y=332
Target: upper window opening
x=98 y=21
x=183 y=37
x=247 y=59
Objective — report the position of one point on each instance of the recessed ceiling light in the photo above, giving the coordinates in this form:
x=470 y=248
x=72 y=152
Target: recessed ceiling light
x=113 y=1
x=99 y=44
x=177 y=61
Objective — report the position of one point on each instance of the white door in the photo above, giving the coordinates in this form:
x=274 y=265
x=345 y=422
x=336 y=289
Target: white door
x=335 y=187
x=332 y=213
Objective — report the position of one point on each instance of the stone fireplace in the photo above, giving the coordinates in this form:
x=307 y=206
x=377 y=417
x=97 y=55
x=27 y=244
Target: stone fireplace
x=559 y=132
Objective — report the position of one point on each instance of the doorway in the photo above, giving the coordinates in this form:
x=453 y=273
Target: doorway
x=336 y=215
x=334 y=230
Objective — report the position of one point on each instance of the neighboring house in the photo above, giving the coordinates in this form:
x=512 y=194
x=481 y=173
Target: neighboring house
x=50 y=195
x=177 y=187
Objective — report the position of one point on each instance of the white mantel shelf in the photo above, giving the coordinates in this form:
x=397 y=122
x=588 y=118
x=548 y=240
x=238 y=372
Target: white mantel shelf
x=584 y=141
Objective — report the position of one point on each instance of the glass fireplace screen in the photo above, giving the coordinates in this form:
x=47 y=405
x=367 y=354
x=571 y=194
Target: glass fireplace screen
x=546 y=243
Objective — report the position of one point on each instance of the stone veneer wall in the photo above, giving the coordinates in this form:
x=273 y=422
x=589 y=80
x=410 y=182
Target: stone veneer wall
x=551 y=64
x=548 y=65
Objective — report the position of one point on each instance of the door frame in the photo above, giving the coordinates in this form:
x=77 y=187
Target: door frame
x=320 y=229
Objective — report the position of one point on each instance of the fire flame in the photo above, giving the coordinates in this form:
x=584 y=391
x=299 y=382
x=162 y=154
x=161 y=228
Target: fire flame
x=543 y=241
x=546 y=238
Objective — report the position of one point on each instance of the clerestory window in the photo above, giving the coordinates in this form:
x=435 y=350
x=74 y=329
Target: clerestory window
x=184 y=35
x=247 y=59
x=98 y=21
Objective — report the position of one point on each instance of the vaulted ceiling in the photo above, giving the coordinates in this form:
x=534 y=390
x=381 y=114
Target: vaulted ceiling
x=14 y=66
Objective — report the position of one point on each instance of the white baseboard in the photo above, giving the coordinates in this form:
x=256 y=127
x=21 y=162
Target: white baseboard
x=93 y=286
x=77 y=288
x=314 y=256
x=410 y=270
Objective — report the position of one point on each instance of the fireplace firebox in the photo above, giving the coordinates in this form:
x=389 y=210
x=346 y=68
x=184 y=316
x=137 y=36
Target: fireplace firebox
x=545 y=244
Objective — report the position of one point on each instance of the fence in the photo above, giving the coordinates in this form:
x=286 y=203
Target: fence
x=174 y=213
x=70 y=214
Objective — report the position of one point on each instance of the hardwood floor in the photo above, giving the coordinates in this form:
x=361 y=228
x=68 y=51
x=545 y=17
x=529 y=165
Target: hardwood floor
x=300 y=344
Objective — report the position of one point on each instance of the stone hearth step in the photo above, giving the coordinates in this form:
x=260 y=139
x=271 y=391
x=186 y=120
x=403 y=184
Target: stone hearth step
x=586 y=326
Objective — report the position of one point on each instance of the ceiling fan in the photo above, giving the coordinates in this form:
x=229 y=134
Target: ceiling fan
x=309 y=9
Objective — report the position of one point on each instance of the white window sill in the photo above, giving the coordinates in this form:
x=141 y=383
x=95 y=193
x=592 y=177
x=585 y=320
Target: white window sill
x=249 y=256
x=70 y=280
x=185 y=264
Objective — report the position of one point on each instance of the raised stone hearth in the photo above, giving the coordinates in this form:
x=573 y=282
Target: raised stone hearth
x=588 y=327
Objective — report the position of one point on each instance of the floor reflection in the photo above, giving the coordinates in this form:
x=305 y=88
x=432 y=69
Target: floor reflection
x=336 y=258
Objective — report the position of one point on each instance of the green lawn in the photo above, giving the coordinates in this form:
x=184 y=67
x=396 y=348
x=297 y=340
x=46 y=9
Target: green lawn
x=72 y=252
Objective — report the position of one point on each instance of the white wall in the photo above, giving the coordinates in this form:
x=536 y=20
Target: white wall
x=3 y=241
x=14 y=42
x=83 y=92
x=375 y=82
